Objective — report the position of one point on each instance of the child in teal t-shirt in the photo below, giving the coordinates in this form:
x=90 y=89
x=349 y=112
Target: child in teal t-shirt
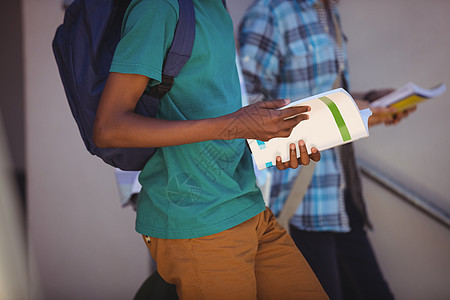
x=200 y=182
x=215 y=177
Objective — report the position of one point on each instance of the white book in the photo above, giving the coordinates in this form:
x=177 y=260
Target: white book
x=408 y=96
x=334 y=119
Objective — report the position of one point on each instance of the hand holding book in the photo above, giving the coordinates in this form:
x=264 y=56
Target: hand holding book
x=388 y=115
x=268 y=120
x=409 y=96
x=383 y=115
x=391 y=106
x=295 y=160
x=334 y=119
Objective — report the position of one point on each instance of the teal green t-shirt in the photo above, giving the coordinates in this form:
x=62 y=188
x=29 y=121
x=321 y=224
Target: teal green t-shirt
x=197 y=189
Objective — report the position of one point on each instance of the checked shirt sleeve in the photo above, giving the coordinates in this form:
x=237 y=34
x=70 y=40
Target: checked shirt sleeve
x=260 y=53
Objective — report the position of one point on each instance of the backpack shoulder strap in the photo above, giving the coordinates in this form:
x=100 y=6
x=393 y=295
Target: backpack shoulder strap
x=183 y=40
x=180 y=50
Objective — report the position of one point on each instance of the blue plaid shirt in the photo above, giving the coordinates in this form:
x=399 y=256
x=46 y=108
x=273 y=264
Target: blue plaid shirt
x=287 y=51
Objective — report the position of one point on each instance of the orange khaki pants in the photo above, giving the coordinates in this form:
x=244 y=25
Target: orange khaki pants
x=254 y=260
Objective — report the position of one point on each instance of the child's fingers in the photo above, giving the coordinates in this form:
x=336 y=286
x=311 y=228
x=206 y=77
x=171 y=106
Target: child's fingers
x=293 y=156
x=315 y=154
x=292 y=122
x=293 y=111
x=280 y=166
x=304 y=157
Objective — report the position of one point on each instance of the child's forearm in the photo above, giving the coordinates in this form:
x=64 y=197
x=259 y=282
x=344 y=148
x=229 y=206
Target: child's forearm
x=135 y=131
x=258 y=121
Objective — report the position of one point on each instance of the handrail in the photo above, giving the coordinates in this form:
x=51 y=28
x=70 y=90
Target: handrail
x=430 y=209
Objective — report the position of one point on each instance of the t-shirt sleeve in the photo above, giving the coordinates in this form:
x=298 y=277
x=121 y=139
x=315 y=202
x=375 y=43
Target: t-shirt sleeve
x=147 y=33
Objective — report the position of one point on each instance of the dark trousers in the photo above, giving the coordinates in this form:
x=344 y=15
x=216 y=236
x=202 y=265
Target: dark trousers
x=344 y=263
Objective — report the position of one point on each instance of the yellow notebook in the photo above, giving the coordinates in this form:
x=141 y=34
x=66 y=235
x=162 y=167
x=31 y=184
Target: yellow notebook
x=408 y=96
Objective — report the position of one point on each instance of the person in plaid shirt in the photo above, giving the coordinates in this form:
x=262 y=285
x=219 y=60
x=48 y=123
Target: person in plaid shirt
x=295 y=49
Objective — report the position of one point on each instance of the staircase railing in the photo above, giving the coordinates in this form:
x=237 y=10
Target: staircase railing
x=425 y=206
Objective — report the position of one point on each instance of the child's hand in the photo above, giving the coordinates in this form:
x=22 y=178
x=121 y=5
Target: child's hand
x=382 y=115
x=304 y=158
x=264 y=120
x=388 y=115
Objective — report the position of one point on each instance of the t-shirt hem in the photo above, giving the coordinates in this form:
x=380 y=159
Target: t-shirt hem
x=196 y=233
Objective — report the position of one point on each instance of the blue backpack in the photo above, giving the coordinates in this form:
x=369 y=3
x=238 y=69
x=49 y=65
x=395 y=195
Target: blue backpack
x=84 y=46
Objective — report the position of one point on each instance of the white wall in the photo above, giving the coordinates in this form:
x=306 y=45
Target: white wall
x=83 y=243
x=391 y=43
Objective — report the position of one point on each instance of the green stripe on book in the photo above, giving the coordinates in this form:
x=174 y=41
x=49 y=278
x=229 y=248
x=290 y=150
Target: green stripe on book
x=337 y=118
